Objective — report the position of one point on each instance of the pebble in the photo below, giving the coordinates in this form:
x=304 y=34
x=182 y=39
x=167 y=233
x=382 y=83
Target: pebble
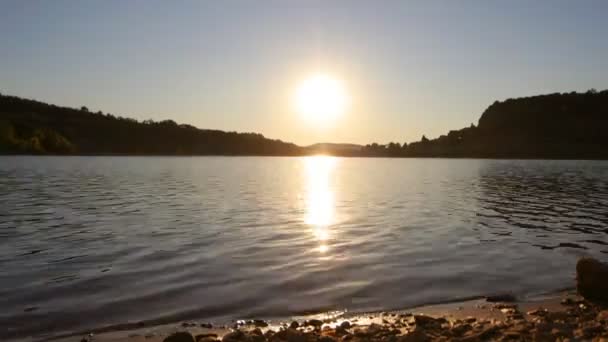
x=326 y=339
x=584 y=321
x=415 y=336
x=505 y=306
x=260 y=323
x=537 y=312
x=315 y=323
x=206 y=339
x=424 y=320
x=234 y=336
x=181 y=336
x=345 y=325
x=199 y=336
x=567 y=301
x=543 y=325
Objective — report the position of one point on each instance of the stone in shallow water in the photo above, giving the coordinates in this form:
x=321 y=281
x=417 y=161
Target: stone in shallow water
x=260 y=323
x=592 y=279
x=181 y=336
x=315 y=323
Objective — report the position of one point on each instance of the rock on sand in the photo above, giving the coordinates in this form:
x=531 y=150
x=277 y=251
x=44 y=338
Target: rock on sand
x=592 y=279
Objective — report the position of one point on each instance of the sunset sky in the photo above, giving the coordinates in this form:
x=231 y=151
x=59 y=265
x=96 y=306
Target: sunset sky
x=407 y=67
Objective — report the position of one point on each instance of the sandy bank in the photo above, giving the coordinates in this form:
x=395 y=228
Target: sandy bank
x=552 y=318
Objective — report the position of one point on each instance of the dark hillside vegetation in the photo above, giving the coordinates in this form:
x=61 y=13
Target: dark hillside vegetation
x=560 y=126
x=32 y=127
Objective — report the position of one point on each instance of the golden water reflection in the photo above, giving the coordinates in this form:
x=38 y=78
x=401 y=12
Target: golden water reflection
x=320 y=198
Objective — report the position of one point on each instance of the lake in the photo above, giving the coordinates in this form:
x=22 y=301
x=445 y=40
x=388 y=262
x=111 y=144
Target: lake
x=94 y=241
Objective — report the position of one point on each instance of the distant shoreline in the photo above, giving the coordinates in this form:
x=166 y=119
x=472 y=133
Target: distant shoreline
x=300 y=156
x=554 y=126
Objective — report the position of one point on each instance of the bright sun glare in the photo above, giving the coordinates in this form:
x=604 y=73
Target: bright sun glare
x=321 y=98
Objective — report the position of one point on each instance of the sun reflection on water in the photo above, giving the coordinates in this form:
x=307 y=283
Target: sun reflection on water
x=320 y=198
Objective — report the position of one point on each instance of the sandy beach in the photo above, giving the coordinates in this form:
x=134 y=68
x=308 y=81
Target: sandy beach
x=562 y=316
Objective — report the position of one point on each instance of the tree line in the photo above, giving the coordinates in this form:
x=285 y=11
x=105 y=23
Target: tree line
x=560 y=125
x=33 y=127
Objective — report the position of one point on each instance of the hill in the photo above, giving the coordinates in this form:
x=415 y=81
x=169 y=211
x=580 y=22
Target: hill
x=32 y=127
x=561 y=126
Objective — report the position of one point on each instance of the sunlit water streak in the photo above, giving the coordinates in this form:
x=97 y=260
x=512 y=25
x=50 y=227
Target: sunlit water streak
x=320 y=201
x=93 y=241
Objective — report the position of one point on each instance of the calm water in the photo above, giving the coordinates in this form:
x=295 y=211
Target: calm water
x=93 y=241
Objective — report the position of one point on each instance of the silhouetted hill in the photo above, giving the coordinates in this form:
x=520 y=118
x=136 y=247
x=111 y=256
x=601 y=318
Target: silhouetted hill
x=569 y=125
x=32 y=127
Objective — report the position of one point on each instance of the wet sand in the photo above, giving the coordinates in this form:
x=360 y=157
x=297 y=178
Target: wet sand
x=557 y=317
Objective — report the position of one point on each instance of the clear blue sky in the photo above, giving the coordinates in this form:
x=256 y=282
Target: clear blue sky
x=410 y=67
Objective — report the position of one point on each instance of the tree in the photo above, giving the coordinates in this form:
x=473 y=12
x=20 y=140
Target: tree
x=394 y=149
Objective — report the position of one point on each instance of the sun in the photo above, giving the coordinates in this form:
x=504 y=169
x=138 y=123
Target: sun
x=321 y=98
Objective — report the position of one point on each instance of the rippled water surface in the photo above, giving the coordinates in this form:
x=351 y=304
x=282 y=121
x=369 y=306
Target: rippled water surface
x=94 y=241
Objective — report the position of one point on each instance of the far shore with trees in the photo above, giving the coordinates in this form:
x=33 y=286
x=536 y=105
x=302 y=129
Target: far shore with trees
x=554 y=126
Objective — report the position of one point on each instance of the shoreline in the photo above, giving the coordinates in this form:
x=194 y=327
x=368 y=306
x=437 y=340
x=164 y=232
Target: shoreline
x=503 y=313
x=566 y=158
